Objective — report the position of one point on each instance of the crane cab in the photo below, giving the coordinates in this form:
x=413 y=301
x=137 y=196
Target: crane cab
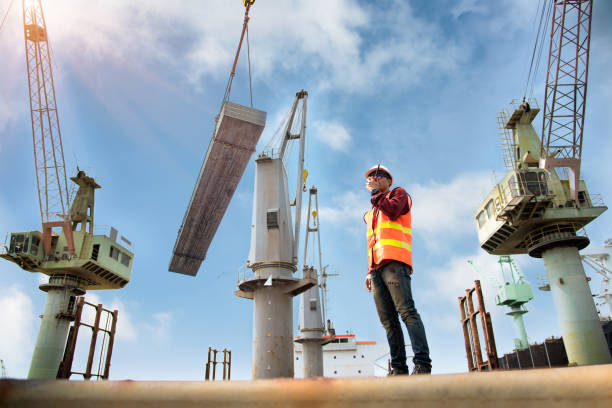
x=100 y=261
x=528 y=199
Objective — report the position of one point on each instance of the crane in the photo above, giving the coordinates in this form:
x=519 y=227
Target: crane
x=600 y=260
x=51 y=181
x=513 y=291
x=539 y=210
x=75 y=259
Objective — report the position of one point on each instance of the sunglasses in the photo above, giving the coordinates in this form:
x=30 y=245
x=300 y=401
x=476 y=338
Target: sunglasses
x=379 y=175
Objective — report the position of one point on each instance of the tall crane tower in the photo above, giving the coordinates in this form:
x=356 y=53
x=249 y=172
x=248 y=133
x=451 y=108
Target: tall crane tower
x=75 y=259
x=541 y=205
x=273 y=256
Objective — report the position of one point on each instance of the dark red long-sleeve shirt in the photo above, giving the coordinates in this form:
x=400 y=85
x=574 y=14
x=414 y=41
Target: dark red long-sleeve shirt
x=397 y=203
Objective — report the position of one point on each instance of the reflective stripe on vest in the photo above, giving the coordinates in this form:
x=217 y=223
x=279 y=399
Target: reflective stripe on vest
x=392 y=239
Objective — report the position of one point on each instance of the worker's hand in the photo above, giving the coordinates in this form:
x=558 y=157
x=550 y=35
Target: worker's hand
x=368 y=283
x=372 y=183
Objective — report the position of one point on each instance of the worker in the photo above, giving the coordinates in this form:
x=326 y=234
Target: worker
x=389 y=237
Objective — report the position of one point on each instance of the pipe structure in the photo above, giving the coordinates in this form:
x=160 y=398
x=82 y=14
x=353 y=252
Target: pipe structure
x=311 y=329
x=273 y=257
x=273 y=326
x=573 y=387
x=582 y=334
x=311 y=320
x=521 y=342
x=54 y=327
x=273 y=285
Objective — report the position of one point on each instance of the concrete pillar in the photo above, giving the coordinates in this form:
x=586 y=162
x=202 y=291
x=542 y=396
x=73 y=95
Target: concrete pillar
x=53 y=332
x=582 y=334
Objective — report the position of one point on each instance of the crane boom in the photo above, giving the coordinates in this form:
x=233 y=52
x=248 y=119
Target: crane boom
x=566 y=87
x=51 y=178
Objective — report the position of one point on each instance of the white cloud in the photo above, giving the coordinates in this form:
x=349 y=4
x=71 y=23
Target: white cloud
x=337 y=38
x=449 y=281
x=159 y=326
x=467 y=6
x=347 y=212
x=442 y=212
x=155 y=326
x=332 y=134
x=456 y=275
x=17 y=325
x=9 y=110
x=412 y=49
x=126 y=329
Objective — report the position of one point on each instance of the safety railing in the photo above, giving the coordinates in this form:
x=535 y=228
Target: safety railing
x=597 y=200
x=555 y=231
x=516 y=103
x=507 y=141
x=4 y=246
x=243 y=271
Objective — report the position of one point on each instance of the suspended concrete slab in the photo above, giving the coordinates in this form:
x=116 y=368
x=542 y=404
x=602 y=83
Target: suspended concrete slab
x=236 y=135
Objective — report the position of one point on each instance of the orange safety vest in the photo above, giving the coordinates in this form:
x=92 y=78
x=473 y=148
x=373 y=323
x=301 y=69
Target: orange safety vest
x=392 y=239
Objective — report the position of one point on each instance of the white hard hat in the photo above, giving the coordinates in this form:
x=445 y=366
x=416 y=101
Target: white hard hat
x=379 y=167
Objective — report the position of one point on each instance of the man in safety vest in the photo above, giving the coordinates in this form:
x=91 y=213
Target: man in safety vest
x=389 y=234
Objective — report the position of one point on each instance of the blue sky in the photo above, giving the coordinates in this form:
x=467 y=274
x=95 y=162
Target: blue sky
x=415 y=85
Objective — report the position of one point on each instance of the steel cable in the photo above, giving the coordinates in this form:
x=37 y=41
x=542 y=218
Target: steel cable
x=537 y=66
x=249 y=59
x=535 y=47
x=6 y=14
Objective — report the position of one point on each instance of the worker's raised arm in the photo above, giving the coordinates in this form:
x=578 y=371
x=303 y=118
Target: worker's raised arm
x=394 y=204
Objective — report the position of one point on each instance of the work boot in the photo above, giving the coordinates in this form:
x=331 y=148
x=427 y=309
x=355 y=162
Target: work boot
x=421 y=369
x=398 y=371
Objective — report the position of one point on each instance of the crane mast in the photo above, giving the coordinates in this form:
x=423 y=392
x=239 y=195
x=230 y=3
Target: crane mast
x=52 y=184
x=566 y=88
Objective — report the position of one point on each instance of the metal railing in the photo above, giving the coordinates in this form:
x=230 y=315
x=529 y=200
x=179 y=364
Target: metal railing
x=507 y=141
x=242 y=273
x=516 y=103
x=596 y=200
x=555 y=231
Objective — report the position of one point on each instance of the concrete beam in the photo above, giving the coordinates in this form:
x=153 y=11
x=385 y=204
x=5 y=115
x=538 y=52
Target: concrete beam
x=236 y=135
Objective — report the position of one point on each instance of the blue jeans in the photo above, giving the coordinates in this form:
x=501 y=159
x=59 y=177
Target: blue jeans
x=393 y=296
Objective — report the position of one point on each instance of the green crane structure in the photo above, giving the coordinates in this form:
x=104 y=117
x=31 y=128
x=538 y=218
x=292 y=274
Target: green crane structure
x=514 y=292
